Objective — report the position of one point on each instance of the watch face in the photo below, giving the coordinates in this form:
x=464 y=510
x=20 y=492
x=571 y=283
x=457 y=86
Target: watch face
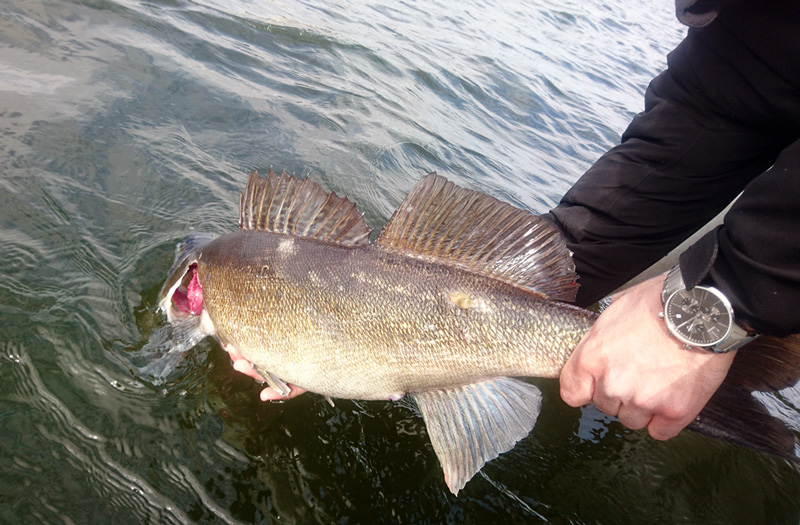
x=699 y=317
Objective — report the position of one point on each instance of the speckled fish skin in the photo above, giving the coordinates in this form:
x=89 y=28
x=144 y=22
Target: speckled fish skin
x=365 y=323
x=459 y=294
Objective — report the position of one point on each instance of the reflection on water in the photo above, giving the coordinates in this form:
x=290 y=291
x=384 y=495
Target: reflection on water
x=127 y=125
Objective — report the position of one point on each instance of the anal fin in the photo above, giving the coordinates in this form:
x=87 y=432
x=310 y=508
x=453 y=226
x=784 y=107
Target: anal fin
x=473 y=424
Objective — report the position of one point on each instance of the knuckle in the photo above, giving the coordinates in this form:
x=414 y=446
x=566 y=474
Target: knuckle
x=572 y=395
x=678 y=411
x=568 y=396
x=574 y=384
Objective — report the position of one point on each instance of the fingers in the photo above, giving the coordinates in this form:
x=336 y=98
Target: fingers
x=663 y=429
x=269 y=394
x=669 y=421
x=608 y=405
x=631 y=367
x=243 y=366
x=585 y=381
x=634 y=417
x=577 y=386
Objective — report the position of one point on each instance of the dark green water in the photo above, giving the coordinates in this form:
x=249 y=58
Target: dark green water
x=127 y=125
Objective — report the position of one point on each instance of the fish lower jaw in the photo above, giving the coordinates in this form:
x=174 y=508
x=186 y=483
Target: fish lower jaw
x=203 y=320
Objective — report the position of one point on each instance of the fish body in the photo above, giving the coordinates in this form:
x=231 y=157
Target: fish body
x=458 y=295
x=368 y=323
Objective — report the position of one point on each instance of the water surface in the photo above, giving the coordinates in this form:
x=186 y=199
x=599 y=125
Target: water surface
x=126 y=125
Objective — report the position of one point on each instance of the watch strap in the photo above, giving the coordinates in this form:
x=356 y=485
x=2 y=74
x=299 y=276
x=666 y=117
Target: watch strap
x=672 y=283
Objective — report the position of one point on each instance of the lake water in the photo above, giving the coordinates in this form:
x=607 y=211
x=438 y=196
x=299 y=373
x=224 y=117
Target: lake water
x=127 y=125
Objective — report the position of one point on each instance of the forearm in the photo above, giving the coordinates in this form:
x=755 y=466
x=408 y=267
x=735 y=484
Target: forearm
x=754 y=257
x=670 y=175
x=713 y=123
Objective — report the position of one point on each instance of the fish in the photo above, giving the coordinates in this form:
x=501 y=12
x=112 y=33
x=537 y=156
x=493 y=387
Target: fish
x=458 y=299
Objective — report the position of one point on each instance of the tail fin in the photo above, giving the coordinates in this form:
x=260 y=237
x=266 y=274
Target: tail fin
x=734 y=414
x=767 y=364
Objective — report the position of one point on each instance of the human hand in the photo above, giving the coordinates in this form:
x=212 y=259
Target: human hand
x=242 y=365
x=630 y=366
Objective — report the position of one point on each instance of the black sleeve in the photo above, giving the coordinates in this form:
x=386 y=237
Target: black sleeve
x=754 y=257
x=727 y=108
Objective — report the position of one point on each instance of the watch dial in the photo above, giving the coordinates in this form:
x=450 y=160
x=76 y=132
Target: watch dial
x=698 y=316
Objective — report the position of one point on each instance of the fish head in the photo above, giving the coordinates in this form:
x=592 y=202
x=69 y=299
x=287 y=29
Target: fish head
x=181 y=297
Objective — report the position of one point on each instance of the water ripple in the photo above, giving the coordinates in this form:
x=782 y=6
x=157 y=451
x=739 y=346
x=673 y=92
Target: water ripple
x=127 y=124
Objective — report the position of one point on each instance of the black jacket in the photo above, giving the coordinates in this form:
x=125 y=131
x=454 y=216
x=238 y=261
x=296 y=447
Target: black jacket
x=723 y=119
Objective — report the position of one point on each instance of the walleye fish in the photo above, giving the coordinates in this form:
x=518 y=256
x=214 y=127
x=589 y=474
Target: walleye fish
x=459 y=295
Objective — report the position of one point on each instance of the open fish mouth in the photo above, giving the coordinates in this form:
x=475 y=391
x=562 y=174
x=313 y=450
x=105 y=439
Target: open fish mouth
x=182 y=295
x=181 y=299
x=188 y=296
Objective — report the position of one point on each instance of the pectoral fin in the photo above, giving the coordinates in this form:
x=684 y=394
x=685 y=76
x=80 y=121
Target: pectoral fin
x=277 y=384
x=473 y=424
x=166 y=348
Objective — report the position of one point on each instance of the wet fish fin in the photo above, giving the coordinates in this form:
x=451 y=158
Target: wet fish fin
x=445 y=223
x=473 y=424
x=735 y=415
x=300 y=207
x=166 y=348
x=767 y=364
x=277 y=384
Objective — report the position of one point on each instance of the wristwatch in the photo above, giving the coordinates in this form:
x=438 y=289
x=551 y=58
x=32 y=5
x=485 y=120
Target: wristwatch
x=701 y=317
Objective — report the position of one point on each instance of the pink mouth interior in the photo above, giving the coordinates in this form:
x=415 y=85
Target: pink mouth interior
x=189 y=296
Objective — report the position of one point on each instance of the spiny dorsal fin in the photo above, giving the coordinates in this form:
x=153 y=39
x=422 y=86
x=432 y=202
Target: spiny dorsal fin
x=442 y=222
x=300 y=207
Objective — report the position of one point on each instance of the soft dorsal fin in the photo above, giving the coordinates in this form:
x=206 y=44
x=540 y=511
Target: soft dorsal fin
x=302 y=208
x=441 y=222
